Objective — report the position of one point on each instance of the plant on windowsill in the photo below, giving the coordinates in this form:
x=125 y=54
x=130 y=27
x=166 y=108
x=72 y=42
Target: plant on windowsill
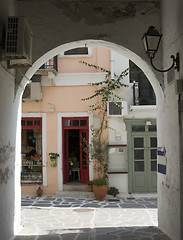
x=53 y=159
x=106 y=91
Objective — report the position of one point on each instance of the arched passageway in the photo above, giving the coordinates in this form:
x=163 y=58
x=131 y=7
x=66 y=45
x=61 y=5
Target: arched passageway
x=91 y=43
x=123 y=27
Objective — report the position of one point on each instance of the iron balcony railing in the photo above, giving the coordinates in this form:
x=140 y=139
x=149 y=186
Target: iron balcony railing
x=135 y=93
x=51 y=64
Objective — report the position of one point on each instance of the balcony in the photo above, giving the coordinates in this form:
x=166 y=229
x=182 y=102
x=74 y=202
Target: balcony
x=49 y=66
x=143 y=94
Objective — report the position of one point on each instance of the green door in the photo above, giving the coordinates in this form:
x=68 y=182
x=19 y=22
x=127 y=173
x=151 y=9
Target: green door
x=143 y=162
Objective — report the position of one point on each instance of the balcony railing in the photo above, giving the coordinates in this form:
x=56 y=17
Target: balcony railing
x=135 y=93
x=51 y=64
x=143 y=95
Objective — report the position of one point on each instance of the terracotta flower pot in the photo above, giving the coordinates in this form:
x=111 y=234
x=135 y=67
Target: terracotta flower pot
x=100 y=192
x=90 y=188
x=39 y=191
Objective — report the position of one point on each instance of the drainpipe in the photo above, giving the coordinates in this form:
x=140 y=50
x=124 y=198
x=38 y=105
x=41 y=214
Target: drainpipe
x=112 y=64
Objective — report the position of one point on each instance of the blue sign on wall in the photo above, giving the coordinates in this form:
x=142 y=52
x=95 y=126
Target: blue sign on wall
x=162 y=168
x=161 y=151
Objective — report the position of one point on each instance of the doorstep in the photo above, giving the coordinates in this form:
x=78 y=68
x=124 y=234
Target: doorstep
x=75 y=187
x=81 y=195
x=75 y=194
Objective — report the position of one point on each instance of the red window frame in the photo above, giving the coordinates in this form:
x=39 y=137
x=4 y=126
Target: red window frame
x=75 y=118
x=34 y=126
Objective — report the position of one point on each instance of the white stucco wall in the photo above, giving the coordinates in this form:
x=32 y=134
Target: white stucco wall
x=124 y=31
x=9 y=179
x=169 y=203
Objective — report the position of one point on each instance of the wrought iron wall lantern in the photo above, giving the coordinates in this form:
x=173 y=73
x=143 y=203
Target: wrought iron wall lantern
x=151 y=40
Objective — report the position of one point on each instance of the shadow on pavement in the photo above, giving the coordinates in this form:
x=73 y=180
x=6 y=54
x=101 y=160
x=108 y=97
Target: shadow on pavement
x=114 y=233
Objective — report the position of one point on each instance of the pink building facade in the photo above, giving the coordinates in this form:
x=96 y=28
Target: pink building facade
x=56 y=120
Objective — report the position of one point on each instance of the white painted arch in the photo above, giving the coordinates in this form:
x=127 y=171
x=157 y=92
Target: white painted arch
x=94 y=43
x=37 y=64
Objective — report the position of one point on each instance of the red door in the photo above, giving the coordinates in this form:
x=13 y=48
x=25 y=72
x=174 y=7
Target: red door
x=66 y=157
x=80 y=124
x=84 y=157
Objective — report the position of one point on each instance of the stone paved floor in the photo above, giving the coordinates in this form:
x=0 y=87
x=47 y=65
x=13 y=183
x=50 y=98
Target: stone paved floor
x=57 y=218
x=61 y=202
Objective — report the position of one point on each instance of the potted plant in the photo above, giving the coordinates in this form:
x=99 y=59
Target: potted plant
x=105 y=91
x=100 y=188
x=113 y=191
x=90 y=186
x=53 y=159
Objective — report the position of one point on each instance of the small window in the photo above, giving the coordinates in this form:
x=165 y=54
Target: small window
x=75 y=123
x=139 y=166
x=138 y=154
x=138 y=142
x=23 y=122
x=152 y=128
x=37 y=122
x=29 y=122
x=153 y=166
x=153 y=154
x=138 y=128
x=67 y=123
x=83 y=123
x=77 y=51
x=153 y=142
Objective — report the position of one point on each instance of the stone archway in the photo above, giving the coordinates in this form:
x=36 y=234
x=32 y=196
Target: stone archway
x=99 y=43
x=125 y=52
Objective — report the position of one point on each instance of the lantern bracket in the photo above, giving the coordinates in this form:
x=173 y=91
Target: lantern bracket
x=175 y=64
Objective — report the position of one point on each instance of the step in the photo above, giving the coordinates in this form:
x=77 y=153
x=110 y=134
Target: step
x=76 y=194
x=75 y=187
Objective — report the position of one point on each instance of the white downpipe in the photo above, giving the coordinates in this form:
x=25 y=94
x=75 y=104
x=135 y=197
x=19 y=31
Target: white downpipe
x=112 y=64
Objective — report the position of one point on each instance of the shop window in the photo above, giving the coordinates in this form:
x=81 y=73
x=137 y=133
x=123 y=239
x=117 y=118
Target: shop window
x=31 y=171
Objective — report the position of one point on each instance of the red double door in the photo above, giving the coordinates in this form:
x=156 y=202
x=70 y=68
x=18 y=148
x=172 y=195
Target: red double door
x=75 y=142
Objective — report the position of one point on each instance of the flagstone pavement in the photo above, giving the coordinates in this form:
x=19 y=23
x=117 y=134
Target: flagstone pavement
x=61 y=218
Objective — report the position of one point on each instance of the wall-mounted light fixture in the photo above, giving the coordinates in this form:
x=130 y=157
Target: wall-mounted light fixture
x=151 y=40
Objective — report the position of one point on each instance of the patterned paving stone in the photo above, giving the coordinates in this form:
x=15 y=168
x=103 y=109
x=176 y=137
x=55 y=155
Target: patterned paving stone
x=131 y=205
x=42 y=204
x=151 y=206
x=49 y=237
x=56 y=202
x=26 y=204
x=113 y=203
x=24 y=238
x=43 y=201
x=49 y=199
x=71 y=219
x=91 y=205
x=63 y=206
x=111 y=206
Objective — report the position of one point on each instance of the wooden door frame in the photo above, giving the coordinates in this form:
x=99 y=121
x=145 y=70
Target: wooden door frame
x=129 y=123
x=68 y=128
x=60 y=116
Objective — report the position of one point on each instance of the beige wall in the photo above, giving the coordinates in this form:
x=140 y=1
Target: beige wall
x=100 y=57
x=63 y=99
